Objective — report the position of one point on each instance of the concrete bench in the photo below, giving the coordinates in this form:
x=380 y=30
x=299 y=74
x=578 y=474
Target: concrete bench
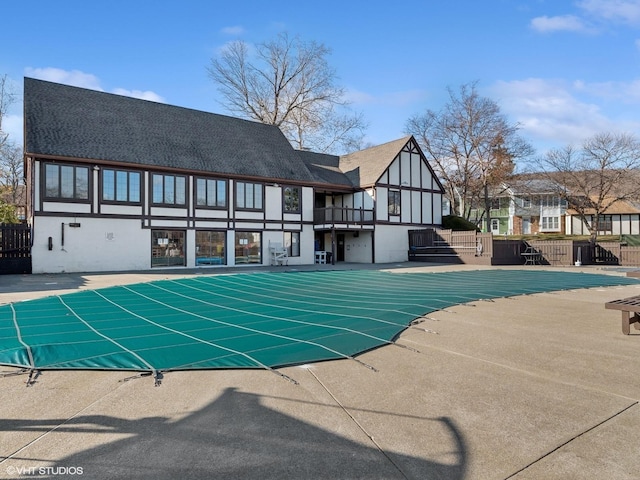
x=627 y=306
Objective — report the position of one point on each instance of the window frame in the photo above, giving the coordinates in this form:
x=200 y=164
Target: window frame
x=219 y=258
x=59 y=180
x=175 y=237
x=246 y=251
x=289 y=242
x=550 y=223
x=246 y=196
x=394 y=200
x=605 y=223
x=286 y=207
x=115 y=200
x=164 y=203
x=218 y=182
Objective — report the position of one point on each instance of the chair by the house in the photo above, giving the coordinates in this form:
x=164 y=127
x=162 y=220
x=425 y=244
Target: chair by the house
x=278 y=254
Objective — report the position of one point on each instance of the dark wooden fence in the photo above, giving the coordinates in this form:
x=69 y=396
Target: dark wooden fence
x=15 y=248
x=447 y=246
x=432 y=245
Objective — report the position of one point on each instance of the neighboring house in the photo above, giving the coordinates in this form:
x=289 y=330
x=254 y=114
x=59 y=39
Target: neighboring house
x=529 y=206
x=525 y=207
x=621 y=218
x=116 y=183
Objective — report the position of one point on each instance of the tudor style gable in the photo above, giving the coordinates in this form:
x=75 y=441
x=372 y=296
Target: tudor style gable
x=408 y=191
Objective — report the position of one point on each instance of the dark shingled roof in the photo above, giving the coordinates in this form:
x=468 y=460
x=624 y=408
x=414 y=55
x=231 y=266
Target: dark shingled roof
x=325 y=168
x=74 y=122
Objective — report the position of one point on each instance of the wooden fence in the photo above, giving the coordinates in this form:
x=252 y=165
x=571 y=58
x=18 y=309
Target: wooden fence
x=431 y=245
x=447 y=246
x=15 y=248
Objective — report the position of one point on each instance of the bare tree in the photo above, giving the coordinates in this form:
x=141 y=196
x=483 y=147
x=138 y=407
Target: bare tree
x=7 y=98
x=288 y=83
x=592 y=178
x=472 y=146
x=11 y=173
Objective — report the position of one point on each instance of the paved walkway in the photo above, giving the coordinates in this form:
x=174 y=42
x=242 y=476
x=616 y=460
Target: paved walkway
x=534 y=387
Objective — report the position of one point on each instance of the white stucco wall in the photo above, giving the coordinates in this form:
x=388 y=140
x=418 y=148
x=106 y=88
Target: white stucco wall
x=392 y=243
x=97 y=245
x=358 y=249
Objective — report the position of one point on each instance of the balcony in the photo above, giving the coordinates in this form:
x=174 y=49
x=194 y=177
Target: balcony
x=331 y=217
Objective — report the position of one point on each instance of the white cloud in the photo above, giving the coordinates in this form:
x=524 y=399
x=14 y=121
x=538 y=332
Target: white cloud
x=554 y=113
x=78 y=78
x=569 y=23
x=618 y=11
x=143 y=95
x=621 y=93
x=75 y=78
x=598 y=12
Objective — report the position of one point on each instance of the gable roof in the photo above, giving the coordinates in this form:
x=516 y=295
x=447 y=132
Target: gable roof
x=621 y=207
x=365 y=167
x=72 y=122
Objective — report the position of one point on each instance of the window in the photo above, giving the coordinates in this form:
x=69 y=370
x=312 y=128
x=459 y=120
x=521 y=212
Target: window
x=66 y=182
x=210 y=248
x=394 y=202
x=526 y=202
x=605 y=223
x=211 y=193
x=169 y=189
x=248 y=196
x=120 y=186
x=291 y=200
x=248 y=248
x=550 y=223
x=292 y=243
x=167 y=248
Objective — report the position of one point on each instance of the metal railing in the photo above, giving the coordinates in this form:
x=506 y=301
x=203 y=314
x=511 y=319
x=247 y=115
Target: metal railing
x=342 y=215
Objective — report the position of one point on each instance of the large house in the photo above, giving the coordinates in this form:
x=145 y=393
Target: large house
x=116 y=183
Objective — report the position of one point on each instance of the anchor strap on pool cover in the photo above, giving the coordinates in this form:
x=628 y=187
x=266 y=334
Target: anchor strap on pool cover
x=255 y=320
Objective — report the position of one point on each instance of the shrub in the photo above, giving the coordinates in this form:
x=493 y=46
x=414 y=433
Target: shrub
x=453 y=222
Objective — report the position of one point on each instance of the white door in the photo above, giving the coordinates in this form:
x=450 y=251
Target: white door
x=526 y=225
x=495 y=226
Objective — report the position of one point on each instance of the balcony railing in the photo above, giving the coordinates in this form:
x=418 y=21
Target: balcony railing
x=341 y=215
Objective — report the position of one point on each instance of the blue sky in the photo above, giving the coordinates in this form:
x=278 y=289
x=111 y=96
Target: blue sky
x=562 y=69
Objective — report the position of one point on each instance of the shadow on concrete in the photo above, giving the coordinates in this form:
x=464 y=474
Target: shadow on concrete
x=236 y=437
x=40 y=282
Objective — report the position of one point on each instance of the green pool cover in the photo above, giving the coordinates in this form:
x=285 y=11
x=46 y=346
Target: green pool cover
x=254 y=320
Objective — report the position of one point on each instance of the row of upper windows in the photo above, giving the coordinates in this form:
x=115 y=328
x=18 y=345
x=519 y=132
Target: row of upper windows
x=71 y=183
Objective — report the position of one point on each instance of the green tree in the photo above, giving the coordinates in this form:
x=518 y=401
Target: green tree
x=8 y=213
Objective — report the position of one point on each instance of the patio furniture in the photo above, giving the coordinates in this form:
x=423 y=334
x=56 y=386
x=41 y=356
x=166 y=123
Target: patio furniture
x=278 y=254
x=321 y=257
x=531 y=256
x=627 y=306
